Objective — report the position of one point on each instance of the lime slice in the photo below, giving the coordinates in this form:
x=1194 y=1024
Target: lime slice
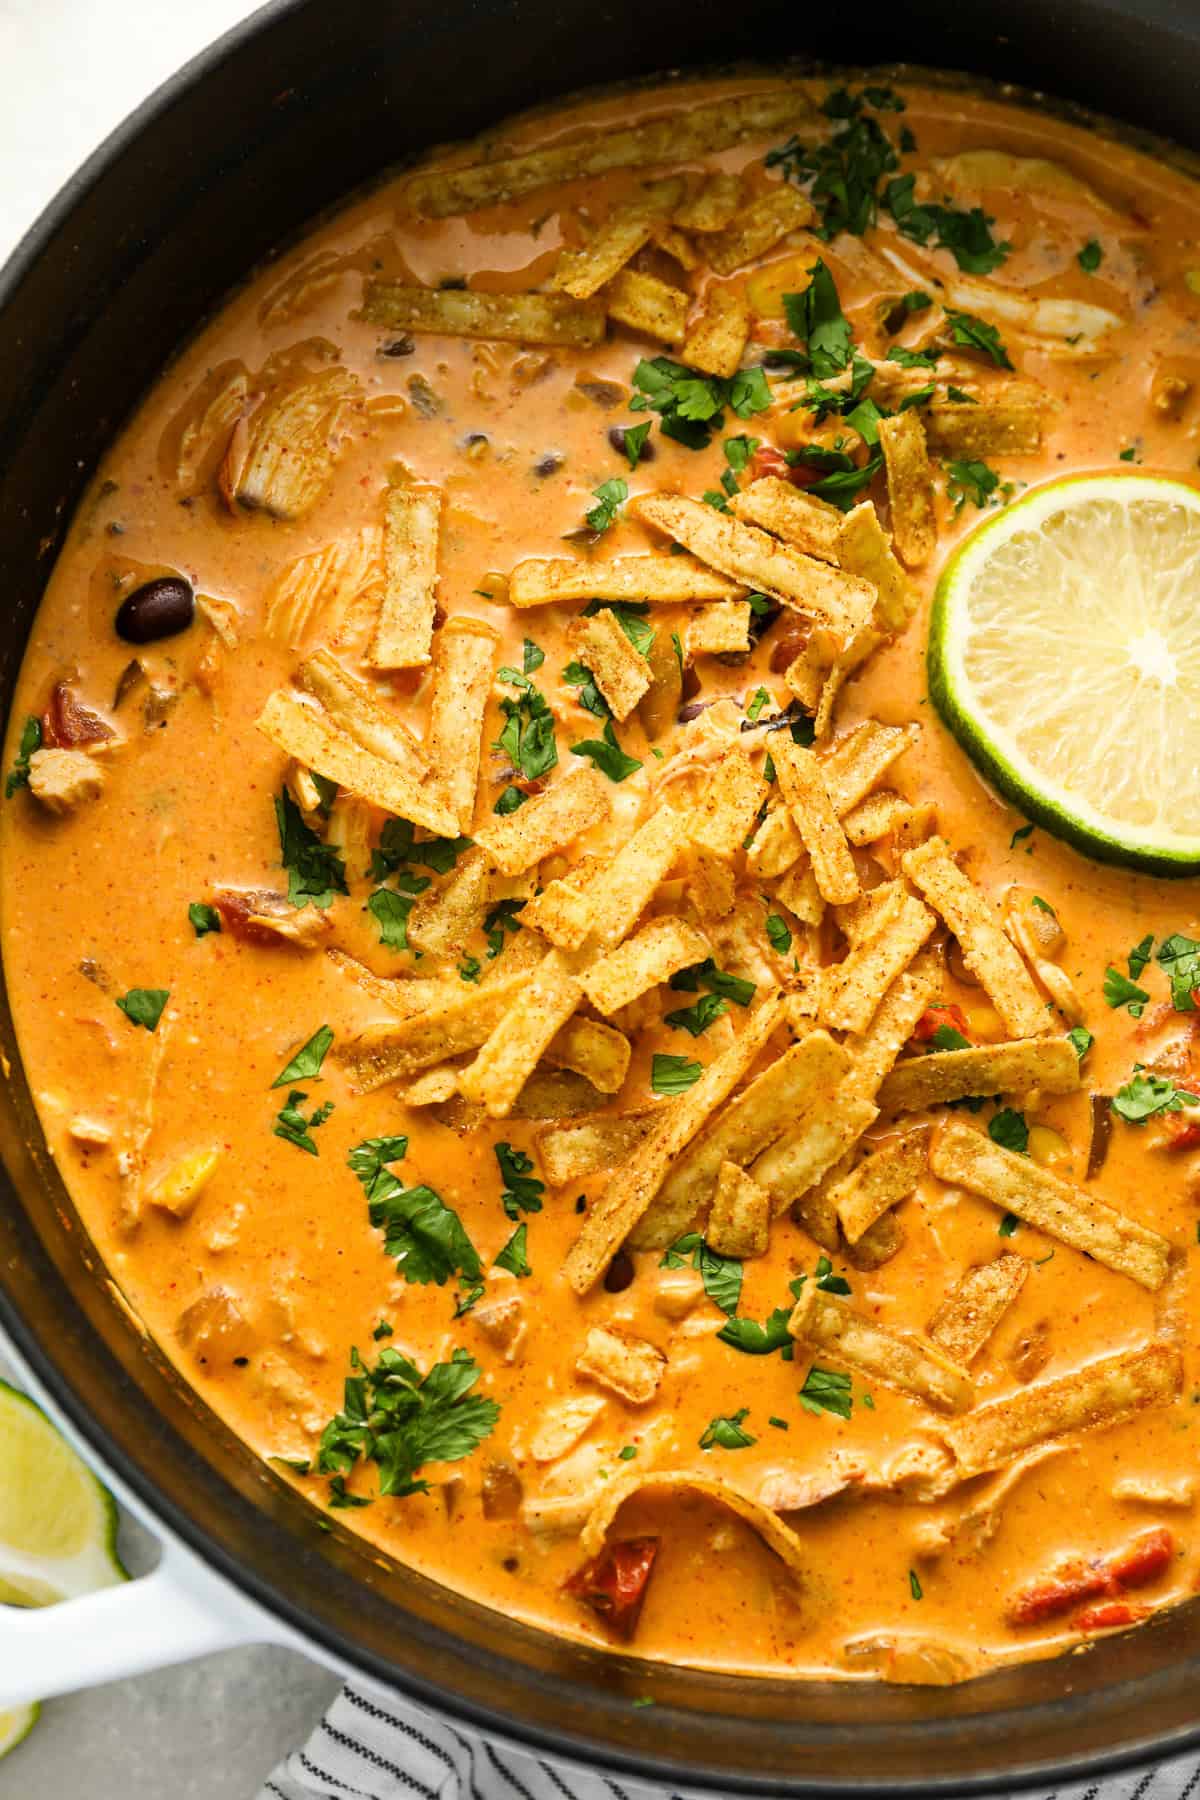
x=58 y=1525
x=1064 y=655
x=16 y=1725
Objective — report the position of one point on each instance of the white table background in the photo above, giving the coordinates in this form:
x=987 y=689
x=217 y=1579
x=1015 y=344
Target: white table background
x=70 y=70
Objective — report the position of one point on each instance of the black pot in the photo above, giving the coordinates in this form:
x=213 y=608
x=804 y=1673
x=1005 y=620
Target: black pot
x=224 y=165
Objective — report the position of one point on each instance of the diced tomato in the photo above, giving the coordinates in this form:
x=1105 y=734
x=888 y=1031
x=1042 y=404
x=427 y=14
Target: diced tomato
x=67 y=723
x=787 y=642
x=1109 y=1615
x=614 y=1583
x=769 y=461
x=934 y=1017
x=1058 y=1594
x=1145 y=1559
x=1182 y=1134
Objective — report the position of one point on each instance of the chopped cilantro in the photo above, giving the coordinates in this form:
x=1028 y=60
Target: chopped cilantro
x=306 y=1064
x=1128 y=454
x=633 y=439
x=1023 y=831
x=696 y=1019
x=1090 y=257
x=1007 y=1225
x=826 y=1390
x=513 y=1257
x=527 y=736
x=1119 y=991
x=673 y=1074
x=778 y=935
x=1139 y=956
x=626 y=1454
x=707 y=975
x=630 y=616
x=753 y=1339
x=28 y=744
x=827 y=1281
x=611 y=496
x=390 y=911
x=947 y=1038
x=960 y=397
x=1179 y=958
x=607 y=755
x=722 y=1275
x=502 y=918
x=203 y=918
x=759 y=699
x=589 y=696
x=816 y=316
x=398 y=845
x=522 y=1191
x=1146 y=1094
x=912 y=359
x=396 y=1417
x=144 y=1006
x=726 y=1433
x=382 y=1330
x=469 y=968
x=1009 y=1130
x=843 y=175
x=532 y=656
x=509 y=800
x=690 y=406
x=977 y=334
x=1080 y=1040
x=315 y=870
x=914 y=1585
x=293 y=1127
x=966 y=234
x=739 y=452
x=970 y=481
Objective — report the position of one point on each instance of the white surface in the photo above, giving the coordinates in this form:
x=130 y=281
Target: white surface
x=70 y=70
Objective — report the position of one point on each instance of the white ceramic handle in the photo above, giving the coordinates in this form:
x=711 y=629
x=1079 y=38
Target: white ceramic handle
x=179 y=1611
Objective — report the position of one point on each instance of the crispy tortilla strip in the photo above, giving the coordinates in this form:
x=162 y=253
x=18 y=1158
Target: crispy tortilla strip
x=910 y=487
x=627 y=1366
x=919 y=823
x=774 y=1533
x=674 y=244
x=856 y=652
x=875 y=817
x=620 y=892
x=680 y=137
x=717 y=336
x=986 y=949
x=759 y=228
x=711 y=885
x=561 y=912
x=803 y=787
x=635 y=1183
x=974 y=1307
x=1003 y=422
x=320 y=588
x=776 y=846
x=593 y=1050
x=622 y=673
x=743 y=552
x=811 y=524
x=617 y=241
x=464 y=656
x=284 y=456
x=798 y=891
x=403 y=995
x=348 y=830
x=433 y=1088
x=722 y=629
x=571 y=1153
x=944 y=1076
x=726 y=807
x=853 y=764
x=354 y=708
x=871 y=913
x=443 y=918
x=662 y=580
x=659 y=950
x=800 y=1082
x=1101 y=1393
x=499 y=318
x=911 y=1365
x=880 y=1182
x=864 y=548
x=740 y=1218
x=546 y=823
x=853 y=989
x=411 y=527
x=876 y=1049
x=649 y=305
x=713 y=206
x=313 y=739
x=877 y=1245
x=795 y=1163
x=385 y=1053
x=508 y=1058
x=1071 y=1214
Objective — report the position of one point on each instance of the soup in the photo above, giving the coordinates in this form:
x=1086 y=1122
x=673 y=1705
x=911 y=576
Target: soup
x=542 y=1021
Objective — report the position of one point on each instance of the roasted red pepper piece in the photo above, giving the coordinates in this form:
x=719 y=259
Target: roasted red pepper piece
x=769 y=461
x=1140 y=1563
x=1148 y=1557
x=934 y=1017
x=614 y=1583
x=1182 y=1134
x=67 y=723
x=1109 y=1615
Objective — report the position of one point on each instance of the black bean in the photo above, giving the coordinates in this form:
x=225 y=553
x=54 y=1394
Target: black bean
x=401 y=346
x=159 y=609
x=549 y=464
x=616 y=437
x=620 y=1273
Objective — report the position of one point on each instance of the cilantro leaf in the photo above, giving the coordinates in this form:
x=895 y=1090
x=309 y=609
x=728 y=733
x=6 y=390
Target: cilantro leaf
x=826 y=1390
x=293 y=1127
x=843 y=175
x=1081 y=1040
x=426 y=1237
x=1139 y=956
x=396 y=1417
x=1090 y=257
x=398 y=845
x=827 y=1281
x=589 y=696
x=631 y=617
x=144 y=1006
x=1009 y=1130
x=527 y=736
x=778 y=935
x=816 y=316
x=315 y=870
x=1146 y=1094
x=29 y=742
x=532 y=656
x=726 y=1433
x=509 y=800
x=722 y=1275
x=707 y=975
x=739 y=452
x=390 y=911
x=977 y=334
x=522 y=1190
x=673 y=1074
x=947 y=1038
x=691 y=407
x=842 y=486
x=696 y=1019
x=611 y=496
x=1179 y=958
x=633 y=439
x=966 y=234
x=306 y=1064
x=513 y=1257
x=502 y=918
x=367 y=1160
x=607 y=755
x=1119 y=991
x=203 y=918
x=754 y=1339
x=759 y=699
x=1007 y=1225
x=912 y=359
x=970 y=481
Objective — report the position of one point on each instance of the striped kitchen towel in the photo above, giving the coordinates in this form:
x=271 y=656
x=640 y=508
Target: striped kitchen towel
x=372 y=1745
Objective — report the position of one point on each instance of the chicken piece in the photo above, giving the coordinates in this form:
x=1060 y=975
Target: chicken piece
x=215 y=1328
x=627 y=1366
x=63 y=779
x=259 y=916
x=502 y=1324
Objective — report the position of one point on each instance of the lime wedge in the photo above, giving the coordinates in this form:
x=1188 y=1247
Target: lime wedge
x=58 y=1525
x=1064 y=655
x=16 y=1725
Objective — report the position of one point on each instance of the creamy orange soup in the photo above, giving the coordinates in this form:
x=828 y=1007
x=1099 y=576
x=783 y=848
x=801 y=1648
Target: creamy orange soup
x=567 y=883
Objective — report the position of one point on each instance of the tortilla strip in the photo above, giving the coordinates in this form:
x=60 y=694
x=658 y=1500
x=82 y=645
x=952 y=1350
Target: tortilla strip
x=313 y=738
x=875 y=911
x=911 y=1365
x=434 y=1088
x=740 y=1217
x=774 y=1533
x=876 y=1049
x=511 y=1053
x=910 y=487
x=713 y=206
x=864 y=548
x=1101 y=1393
x=798 y=891
x=680 y=137
x=403 y=995
x=880 y=1182
x=875 y=817
x=673 y=243
x=722 y=629
x=547 y=823
x=795 y=1163
x=1071 y=1214
x=659 y=950
x=442 y=919
x=717 y=336
x=986 y=949
x=404 y=631
x=1005 y=421
x=853 y=764
x=635 y=1183
x=582 y=273
x=561 y=912
x=385 y=1053
x=943 y=1076
x=801 y=519
x=877 y=1245
x=842 y=602
x=974 y=1307
x=662 y=580
x=621 y=891
x=464 y=655
x=725 y=809
x=775 y=846
x=803 y=787
x=497 y=318
x=621 y=673
x=353 y=707
x=852 y=989
x=592 y=1050
x=799 y=1083
x=626 y=1366
x=646 y=304
x=759 y=228
x=571 y=1153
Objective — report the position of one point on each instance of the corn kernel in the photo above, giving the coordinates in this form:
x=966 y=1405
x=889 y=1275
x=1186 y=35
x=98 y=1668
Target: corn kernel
x=182 y=1185
x=984 y=1025
x=1047 y=1147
